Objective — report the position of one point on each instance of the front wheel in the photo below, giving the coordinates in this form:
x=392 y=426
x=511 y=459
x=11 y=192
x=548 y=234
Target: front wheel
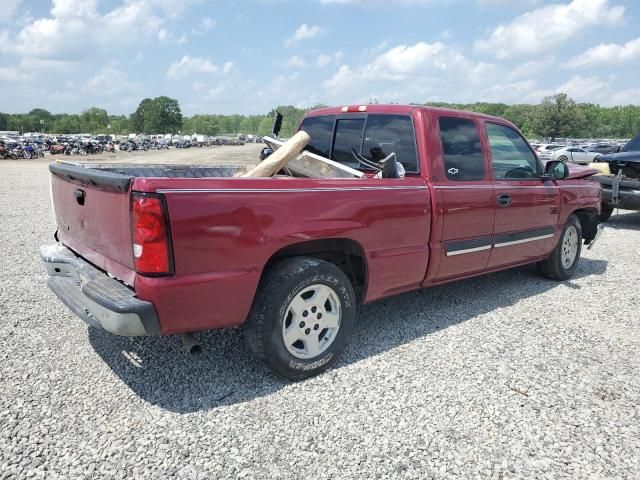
x=563 y=261
x=562 y=158
x=302 y=317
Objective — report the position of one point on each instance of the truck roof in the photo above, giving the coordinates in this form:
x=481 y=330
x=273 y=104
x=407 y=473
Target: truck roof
x=400 y=110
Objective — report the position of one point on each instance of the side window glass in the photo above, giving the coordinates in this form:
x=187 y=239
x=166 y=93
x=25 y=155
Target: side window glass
x=510 y=155
x=320 y=129
x=386 y=134
x=348 y=137
x=463 y=159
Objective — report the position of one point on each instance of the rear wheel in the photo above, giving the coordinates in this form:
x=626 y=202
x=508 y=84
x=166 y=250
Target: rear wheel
x=302 y=317
x=563 y=261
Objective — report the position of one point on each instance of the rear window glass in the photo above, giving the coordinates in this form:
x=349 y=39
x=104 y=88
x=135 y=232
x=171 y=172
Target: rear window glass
x=463 y=159
x=383 y=135
x=320 y=129
x=387 y=134
x=348 y=139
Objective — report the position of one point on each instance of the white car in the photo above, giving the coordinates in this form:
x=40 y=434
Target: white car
x=545 y=151
x=574 y=155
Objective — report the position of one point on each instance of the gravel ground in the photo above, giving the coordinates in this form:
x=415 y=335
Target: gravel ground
x=504 y=376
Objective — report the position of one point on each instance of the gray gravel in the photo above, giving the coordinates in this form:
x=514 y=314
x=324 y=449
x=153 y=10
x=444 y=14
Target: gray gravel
x=505 y=376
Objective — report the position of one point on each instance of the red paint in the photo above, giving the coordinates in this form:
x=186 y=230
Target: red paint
x=222 y=239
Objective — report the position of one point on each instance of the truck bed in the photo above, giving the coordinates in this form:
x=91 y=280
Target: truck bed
x=163 y=170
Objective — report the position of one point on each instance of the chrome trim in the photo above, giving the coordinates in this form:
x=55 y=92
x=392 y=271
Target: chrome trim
x=524 y=240
x=460 y=187
x=503 y=187
x=286 y=190
x=468 y=250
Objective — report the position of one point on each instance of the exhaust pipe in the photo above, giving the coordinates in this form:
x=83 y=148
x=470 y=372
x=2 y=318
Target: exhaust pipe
x=191 y=344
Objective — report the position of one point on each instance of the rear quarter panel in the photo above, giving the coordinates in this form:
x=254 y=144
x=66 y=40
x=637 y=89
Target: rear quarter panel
x=224 y=231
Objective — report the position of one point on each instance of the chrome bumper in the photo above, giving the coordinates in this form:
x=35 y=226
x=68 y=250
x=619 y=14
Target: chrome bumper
x=95 y=297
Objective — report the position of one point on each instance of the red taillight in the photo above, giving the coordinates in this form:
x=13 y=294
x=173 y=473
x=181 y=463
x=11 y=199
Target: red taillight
x=150 y=235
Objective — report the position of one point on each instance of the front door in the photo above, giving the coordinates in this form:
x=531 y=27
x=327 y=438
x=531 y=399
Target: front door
x=463 y=188
x=527 y=208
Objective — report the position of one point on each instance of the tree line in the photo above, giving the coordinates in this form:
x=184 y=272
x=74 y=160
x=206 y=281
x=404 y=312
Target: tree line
x=555 y=116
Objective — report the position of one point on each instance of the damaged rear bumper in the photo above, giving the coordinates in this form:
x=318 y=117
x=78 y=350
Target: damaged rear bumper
x=95 y=297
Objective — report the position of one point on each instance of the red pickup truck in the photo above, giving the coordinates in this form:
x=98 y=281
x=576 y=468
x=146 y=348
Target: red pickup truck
x=161 y=249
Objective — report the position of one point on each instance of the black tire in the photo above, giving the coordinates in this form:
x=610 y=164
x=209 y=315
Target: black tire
x=553 y=267
x=605 y=212
x=562 y=158
x=279 y=287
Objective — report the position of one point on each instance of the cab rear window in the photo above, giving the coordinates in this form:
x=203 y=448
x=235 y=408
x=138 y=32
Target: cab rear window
x=373 y=136
x=320 y=129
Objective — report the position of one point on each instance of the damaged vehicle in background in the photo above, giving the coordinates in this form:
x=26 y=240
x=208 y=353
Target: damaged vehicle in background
x=620 y=179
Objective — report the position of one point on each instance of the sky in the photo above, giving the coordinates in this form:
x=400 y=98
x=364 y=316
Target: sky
x=247 y=56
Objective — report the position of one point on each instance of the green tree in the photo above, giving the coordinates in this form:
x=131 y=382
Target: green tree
x=158 y=115
x=144 y=110
x=558 y=116
x=94 y=120
x=167 y=116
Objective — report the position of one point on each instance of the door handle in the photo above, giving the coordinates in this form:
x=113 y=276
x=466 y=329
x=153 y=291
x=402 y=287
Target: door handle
x=504 y=200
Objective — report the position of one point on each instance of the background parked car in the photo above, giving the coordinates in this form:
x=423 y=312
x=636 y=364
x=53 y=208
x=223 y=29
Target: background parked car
x=602 y=148
x=545 y=151
x=574 y=155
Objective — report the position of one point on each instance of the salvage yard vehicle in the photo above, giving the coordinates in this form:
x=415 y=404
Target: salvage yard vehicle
x=574 y=155
x=147 y=250
x=621 y=185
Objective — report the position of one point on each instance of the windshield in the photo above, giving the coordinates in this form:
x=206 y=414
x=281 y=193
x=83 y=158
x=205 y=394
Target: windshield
x=633 y=145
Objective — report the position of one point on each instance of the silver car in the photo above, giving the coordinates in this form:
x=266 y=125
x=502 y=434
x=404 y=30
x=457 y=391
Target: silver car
x=574 y=155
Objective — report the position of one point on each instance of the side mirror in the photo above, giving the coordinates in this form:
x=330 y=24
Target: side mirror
x=556 y=170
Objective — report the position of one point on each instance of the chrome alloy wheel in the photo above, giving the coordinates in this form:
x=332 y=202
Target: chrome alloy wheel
x=569 y=247
x=312 y=321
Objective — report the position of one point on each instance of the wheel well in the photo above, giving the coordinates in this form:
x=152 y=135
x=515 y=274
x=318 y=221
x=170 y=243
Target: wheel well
x=344 y=253
x=589 y=220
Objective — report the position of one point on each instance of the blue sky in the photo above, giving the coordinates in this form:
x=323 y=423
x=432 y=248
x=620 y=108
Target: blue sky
x=247 y=56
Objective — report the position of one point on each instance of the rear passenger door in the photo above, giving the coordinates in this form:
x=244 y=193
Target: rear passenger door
x=527 y=208
x=463 y=189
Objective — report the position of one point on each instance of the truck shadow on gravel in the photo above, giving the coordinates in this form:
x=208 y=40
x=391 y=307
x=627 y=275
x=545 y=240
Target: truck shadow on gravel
x=625 y=220
x=225 y=373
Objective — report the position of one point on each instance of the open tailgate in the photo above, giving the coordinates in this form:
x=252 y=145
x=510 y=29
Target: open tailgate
x=92 y=212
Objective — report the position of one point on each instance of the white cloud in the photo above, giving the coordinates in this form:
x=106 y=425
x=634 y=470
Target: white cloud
x=304 y=32
x=412 y=73
x=545 y=28
x=8 y=8
x=608 y=54
x=295 y=61
x=110 y=80
x=584 y=88
x=187 y=66
x=206 y=24
x=325 y=59
x=374 y=2
x=626 y=97
x=532 y=68
x=76 y=28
